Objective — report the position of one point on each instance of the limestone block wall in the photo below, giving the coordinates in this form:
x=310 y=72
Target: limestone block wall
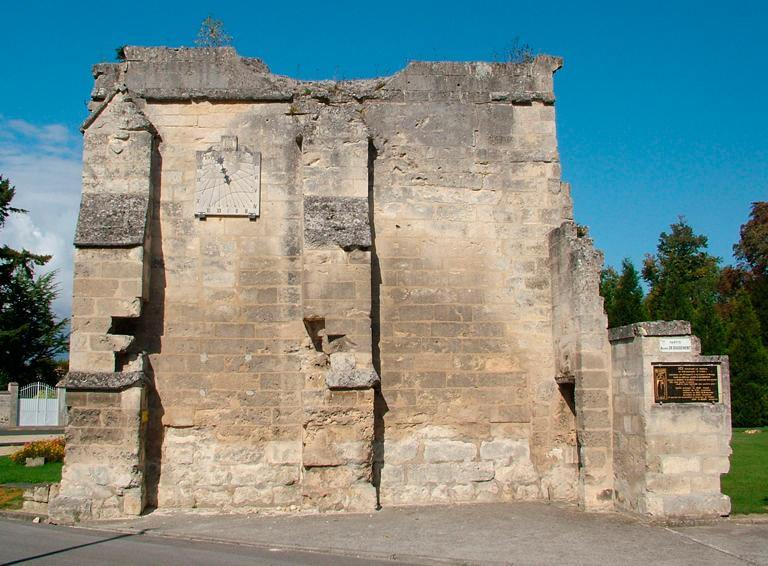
x=107 y=290
x=103 y=476
x=466 y=188
x=668 y=458
x=583 y=359
x=224 y=326
x=384 y=327
x=254 y=316
x=38 y=497
x=336 y=288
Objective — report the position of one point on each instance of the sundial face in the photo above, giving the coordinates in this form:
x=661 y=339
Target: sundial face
x=228 y=181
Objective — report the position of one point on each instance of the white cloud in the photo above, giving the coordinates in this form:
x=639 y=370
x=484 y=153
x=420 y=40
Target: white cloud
x=49 y=133
x=44 y=164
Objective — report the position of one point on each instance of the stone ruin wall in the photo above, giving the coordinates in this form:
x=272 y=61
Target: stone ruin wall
x=403 y=233
x=466 y=186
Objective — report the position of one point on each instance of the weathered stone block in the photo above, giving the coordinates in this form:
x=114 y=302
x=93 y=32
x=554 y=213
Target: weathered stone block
x=179 y=417
x=449 y=451
x=112 y=220
x=504 y=451
x=460 y=472
x=680 y=465
x=400 y=451
x=283 y=452
x=341 y=221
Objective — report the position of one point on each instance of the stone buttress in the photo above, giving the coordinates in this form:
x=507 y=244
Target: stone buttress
x=104 y=474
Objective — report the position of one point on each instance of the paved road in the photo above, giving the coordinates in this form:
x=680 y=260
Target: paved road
x=494 y=533
x=28 y=543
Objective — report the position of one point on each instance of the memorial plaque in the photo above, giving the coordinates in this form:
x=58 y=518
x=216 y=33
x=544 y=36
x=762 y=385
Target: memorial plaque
x=686 y=383
x=228 y=180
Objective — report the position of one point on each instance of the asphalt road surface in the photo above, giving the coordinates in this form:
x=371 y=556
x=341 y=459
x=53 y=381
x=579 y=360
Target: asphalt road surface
x=29 y=543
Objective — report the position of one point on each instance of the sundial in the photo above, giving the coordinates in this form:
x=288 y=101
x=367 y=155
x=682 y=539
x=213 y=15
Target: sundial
x=228 y=180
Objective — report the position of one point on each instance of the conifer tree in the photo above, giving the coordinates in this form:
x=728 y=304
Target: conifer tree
x=683 y=278
x=710 y=328
x=749 y=365
x=628 y=304
x=609 y=279
x=10 y=259
x=30 y=335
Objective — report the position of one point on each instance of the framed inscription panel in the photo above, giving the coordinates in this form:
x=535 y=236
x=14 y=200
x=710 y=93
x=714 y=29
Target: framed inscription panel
x=228 y=181
x=686 y=383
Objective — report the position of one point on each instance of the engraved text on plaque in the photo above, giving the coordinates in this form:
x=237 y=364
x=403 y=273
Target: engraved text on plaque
x=686 y=383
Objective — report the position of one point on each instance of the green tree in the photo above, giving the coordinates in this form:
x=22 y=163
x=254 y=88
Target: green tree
x=752 y=253
x=30 y=336
x=683 y=279
x=10 y=259
x=749 y=365
x=609 y=280
x=628 y=303
x=710 y=328
x=752 y=249
x=622 y=295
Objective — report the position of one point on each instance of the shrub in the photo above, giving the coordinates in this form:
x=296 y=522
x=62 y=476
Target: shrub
x=51 y=450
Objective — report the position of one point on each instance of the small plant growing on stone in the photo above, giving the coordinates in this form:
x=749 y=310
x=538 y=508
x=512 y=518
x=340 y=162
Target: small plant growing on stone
x=212 y=34
x=120 y=53
x=520 y=52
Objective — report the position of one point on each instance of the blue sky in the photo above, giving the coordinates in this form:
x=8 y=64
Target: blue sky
x=661 y=105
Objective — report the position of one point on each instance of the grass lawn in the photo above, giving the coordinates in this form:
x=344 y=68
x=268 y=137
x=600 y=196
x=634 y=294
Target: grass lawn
x=11 y=497
x=747 y=482
x=15 y=473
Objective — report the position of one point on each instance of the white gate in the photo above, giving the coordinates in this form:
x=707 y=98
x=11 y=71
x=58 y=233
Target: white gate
x=38 y=405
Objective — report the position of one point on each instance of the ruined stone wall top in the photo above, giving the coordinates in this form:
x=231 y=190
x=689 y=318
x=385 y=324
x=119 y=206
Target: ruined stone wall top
x=650 y=328
x=162 y=73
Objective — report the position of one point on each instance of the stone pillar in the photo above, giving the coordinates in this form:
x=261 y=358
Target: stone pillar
x=583 y=358
x=112 y=240
x=13 y=391
x=337 y=408
x=103 y=475
x=670 y=449
x=5 y=408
